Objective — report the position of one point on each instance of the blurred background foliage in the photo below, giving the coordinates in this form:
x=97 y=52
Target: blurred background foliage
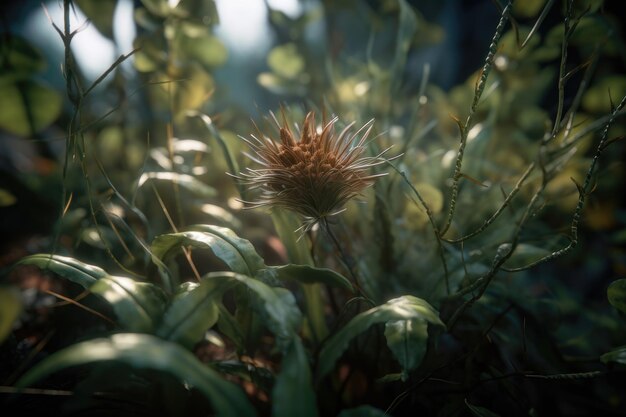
x=153 y=133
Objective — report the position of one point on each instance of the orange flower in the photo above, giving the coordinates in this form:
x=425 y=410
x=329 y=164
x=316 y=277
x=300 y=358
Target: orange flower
x=314 y=175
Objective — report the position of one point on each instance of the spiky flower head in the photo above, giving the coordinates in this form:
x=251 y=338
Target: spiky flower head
x=313 y=173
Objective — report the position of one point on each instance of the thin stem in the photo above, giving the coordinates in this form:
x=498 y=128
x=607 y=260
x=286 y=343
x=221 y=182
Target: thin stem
x=431 y=219
x=583 y=192
x=562 y=80
x=186 y=251
x=345 y=258
x=480 y=86
x=79 y=305
x=505 y=204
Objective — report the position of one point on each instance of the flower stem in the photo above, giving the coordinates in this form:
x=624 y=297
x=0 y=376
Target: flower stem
x=345 y=258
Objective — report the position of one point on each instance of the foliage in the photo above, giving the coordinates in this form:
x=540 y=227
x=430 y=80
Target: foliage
x=443 y=287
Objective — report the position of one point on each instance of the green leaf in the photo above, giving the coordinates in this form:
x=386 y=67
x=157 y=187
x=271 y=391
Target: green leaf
x=617 y=355
x=280 y=85
x=230 y=328
x=10 y=309
x=276 y=305
x=407 y=340
x=293 y=393
x=406 y=307
x=208 y=50
x=148 y=352
x=203 y=12
x=253 y=260
x=480 y=411
x=285 y=60
x=157 y=7
x=184 y=180
x=28 y=106
x=138 y=306
x=100 y=13
x=147 y=57
x=69 y=268
x=528 y=8
x=363 y=411
x=306 y=274
x=237 y=253
x=192 y=311
x=616 y=294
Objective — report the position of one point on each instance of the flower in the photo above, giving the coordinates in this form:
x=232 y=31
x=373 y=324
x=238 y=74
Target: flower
x=314 y=175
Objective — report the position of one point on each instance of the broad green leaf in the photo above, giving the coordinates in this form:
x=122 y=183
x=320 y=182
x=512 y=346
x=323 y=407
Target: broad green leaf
x=280 y=85
x=617 y=355
x=206 y=49
x=158 y=7
x=616 y=294
x=184 y=180
x=230 y=328
x=148 y=352
x=202 y=11
x=147 y=57
x=166 y=245
x=406 y=307
x=363 y=411
x=137 y=305
x=192 y=92
x=279 y=309
x=407 y=340
x=528 y=8
x=285 y=60
x=237 y=253
x=293 y=392
x=100 y=13
x=480 y=411
x=69 y=268
x=276 y=305
x=192 y=311
x=253 y=260
x=10 y=309
x=28 y=106
x=306 y=274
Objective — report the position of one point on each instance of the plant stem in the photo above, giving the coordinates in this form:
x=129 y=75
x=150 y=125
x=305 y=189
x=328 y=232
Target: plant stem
x=345 y=258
